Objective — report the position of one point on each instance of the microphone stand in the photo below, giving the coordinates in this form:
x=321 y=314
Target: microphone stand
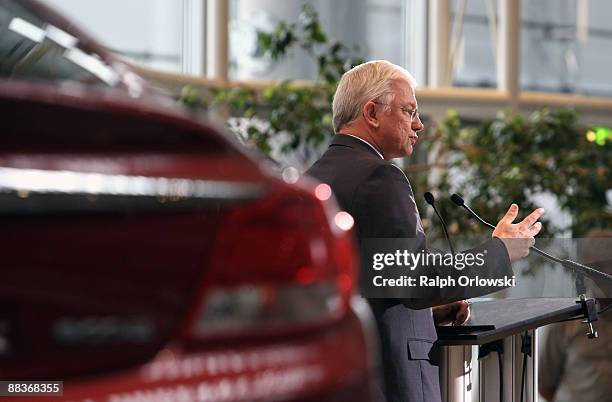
x=429 y=198
x=588 y=306
x=572 y=265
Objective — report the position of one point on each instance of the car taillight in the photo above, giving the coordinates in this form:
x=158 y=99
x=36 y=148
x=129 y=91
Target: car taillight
x=283 y=263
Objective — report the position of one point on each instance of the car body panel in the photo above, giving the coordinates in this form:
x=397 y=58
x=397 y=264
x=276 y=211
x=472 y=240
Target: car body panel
x=122 y=214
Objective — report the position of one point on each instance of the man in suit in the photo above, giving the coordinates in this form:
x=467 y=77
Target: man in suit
x=375 y=119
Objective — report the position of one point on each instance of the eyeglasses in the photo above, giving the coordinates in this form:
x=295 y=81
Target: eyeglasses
x=412 y=113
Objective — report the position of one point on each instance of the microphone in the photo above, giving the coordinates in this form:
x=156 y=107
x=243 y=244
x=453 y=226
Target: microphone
x=429 y=198
x=456 y=198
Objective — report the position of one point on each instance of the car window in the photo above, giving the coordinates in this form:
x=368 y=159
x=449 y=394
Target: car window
x=33 y=49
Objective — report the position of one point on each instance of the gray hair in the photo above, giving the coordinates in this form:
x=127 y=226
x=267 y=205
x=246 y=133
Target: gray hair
x=362 y=83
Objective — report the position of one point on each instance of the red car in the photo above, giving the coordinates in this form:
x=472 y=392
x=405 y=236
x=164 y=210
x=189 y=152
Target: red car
x=145 y=256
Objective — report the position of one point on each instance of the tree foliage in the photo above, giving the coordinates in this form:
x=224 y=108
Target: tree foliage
x=507 y=159
x=516 y=159
x=301 y=112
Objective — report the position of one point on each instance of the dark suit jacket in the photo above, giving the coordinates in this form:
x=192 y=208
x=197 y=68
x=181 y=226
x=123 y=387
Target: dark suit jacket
x=379 y=196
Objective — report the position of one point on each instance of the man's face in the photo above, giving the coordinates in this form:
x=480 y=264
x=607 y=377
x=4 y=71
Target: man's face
x=397 y=133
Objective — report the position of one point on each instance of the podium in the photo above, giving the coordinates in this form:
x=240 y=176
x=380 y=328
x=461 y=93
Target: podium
x=493 y=338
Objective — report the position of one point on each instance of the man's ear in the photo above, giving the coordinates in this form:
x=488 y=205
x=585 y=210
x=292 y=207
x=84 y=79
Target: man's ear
x=370 y=114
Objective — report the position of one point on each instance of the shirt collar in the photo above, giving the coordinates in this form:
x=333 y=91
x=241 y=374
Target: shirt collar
x=362 y=140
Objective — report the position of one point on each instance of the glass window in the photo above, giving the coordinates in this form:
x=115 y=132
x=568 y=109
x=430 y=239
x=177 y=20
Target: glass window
x=376 y=26
x=149 y=32
x=33 y=48
x=473 y=44
x=566 y=46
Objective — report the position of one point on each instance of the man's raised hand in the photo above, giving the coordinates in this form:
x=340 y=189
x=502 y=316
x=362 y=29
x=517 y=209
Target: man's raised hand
x=518 y=237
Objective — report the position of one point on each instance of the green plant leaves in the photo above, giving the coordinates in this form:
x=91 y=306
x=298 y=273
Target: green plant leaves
x=510 y=158
x=492 y=164
x=302 y=113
